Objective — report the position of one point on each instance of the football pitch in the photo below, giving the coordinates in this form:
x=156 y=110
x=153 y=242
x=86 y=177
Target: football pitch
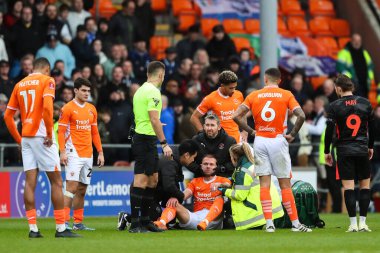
x=333 y=238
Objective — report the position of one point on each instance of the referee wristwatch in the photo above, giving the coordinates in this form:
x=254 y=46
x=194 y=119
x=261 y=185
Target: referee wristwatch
x=163 y=143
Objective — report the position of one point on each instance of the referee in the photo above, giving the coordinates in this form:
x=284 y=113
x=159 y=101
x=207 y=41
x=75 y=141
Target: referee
x=147 y=110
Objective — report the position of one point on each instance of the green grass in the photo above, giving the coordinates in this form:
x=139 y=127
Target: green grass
x=14 y=232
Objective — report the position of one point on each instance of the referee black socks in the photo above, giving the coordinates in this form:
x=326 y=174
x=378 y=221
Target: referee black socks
x=136 y=194
x=364 y=199
x=350 y=200
x=146 y=204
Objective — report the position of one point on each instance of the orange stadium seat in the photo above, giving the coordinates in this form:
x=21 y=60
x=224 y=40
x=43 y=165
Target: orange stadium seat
x=232 y=25
x=292 y=8
x=321 y=8
x=186 y=19
x=331 y=44
x=106 y=9
x=181 y=5
x=340 y=27
x=252 y=26
x=313 y=47
x=207 y=24
x=282 y=28
x=298 y=26
x=241 y=43
x=158 y=5
x=317 y=81
x=320 y=27
x=343 y=41
x=158 y=44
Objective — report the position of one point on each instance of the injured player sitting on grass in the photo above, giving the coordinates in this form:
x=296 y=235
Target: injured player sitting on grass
x=208 y=201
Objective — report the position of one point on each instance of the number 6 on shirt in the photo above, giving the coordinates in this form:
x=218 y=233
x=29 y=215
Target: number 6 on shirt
x=269 y=110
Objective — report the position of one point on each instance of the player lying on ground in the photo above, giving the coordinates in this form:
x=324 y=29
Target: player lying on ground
x=245 y=191
x=208 y=201
x=77 y=132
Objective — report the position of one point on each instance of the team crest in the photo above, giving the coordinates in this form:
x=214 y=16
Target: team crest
x=72 y=173
x=221 y=146
x=236 y=101
x=51 y=85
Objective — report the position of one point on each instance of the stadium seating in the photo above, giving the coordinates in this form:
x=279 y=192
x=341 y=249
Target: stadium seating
x=282 y=28
x=292 y=8
x=298 y=26
x=158 y=44
x=314 y=48
x=186 y=19
x=233 y=26
x=106 y=9
x=320 y=27
x=317 y=81
x=321 y=8
x=241 y=43
x=340 y=28
x=207 y=24
x=252 y=26
x=343 y=41
x=181 y=5
x=331 y=44
x=158 y=5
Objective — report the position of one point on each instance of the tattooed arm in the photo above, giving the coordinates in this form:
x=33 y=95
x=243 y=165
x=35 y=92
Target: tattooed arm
x=298 y=112
x=240 y=118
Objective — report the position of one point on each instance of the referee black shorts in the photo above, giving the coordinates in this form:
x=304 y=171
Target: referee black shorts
x=144 y=148
x=353 y=167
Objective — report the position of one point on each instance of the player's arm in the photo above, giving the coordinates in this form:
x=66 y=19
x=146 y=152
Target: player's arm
x=298 y=112
x=63 y=123
x=157 y=127
x=329 y=132
x=371 y=134
x=187 y=194
x=11 y=125
x=240 y=118
x=195 y=119
x=97 y=141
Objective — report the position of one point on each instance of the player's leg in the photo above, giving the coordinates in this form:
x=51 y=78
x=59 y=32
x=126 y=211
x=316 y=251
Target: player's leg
x=187 y=219
x=281 y=163
x=78 y=203
x=167 y=215
x=215 y=211
x=363 y=171
x=266 y=201
x=140 y=182
x=346 y=170
x=147 y=202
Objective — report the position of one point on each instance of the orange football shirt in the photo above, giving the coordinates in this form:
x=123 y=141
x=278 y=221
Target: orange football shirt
x=80 y=121
x=27 y=96
x=202 y=194
x=269 y=107
x=224 y=107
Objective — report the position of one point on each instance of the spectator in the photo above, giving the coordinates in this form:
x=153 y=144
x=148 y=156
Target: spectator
x=128 y=74
x=63 y=17
x=104 y=34
x=304 y=150
x=183 y=72
x=14 y=15
x=170 y=61
x=211 y=81
x=54 y=50
x=67 y=94
x=39 y=11
x=83 y=52
x=329 y=90
x=123 y=24
x=201 y=57
x=168 y=120
x=194 y=90
x=91 y=29
x=140 y=59
x=23 y=31
x=171 y=91
x=98 y=78
x=116 y=83
x=59 y=64
x=297 y=89
x=356 y=63
x=146 y=20
x=6 y=84
x=59 y=82
x=26 y=67
x=183 y=127
x=220 y=48
x=51 y=20
x=246 y=62
x=5 y=35
x=132 y=90
x=115 y=59
x=97 y=46
x=76 y=73
x=187 y=47
x=235 y=66
x=213 y=140
x=77 y=15
x=103 y=125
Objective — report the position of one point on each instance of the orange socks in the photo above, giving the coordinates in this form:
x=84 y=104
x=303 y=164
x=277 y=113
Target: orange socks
x=67 y=214
x=78 y=215
x=215 y=210
x=266 y=202
x=59 y=216
x=31 y=215
x=289 y=203
x=167 y=215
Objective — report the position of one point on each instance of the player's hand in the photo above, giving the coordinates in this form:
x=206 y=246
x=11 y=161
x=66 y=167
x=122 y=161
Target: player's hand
x=100 y=159
x=329 y=159
x=167 y=151
x=172 y=202
x=244 y=136
x=289 y=138
x=48 y=142
x=63 y=158
x=370 y=153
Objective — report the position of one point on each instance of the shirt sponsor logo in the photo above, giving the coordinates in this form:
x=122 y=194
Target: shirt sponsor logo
x=267 y=129
x=83 y=125
x=156 y=101
x=226 y=115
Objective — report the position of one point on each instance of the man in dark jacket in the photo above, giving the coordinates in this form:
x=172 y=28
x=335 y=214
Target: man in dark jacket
x=213 y=140
x=170 y=176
